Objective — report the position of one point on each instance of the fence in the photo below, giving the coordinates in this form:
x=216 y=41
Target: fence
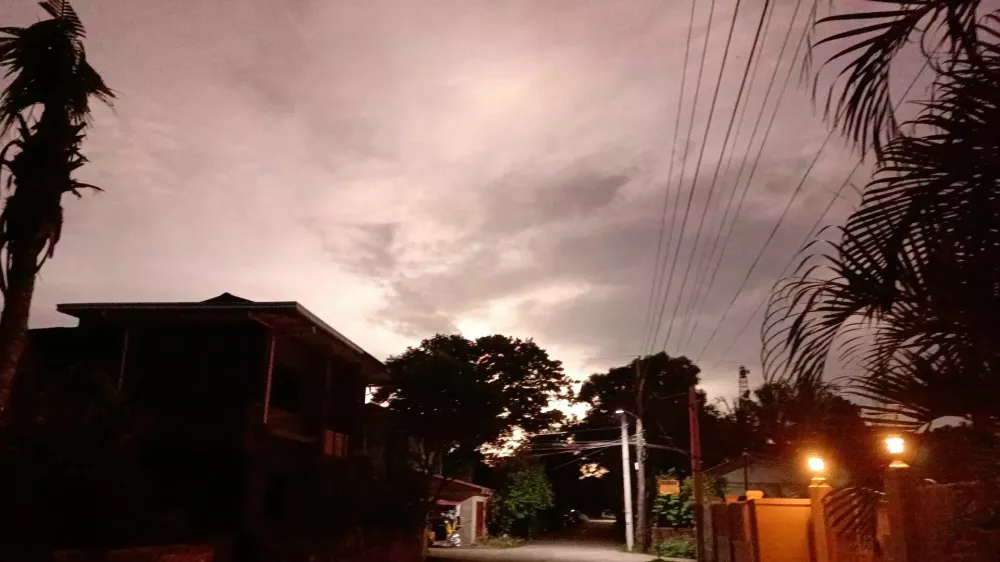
x=916 y=522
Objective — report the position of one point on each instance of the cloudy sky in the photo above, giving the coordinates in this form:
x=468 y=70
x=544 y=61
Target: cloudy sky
x=403 y=168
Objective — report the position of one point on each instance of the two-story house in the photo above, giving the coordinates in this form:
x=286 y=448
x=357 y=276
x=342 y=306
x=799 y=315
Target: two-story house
x=243 y=400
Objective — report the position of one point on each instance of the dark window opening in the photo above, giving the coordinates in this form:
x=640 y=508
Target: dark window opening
x=285 y=391
x=276 y=495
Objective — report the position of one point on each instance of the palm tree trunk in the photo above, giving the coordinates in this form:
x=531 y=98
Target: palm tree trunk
x=14 y=317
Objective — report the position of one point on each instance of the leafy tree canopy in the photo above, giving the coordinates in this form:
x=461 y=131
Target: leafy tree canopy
x=641 y=386
x=455 y=395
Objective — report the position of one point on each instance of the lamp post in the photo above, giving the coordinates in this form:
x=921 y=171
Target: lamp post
x=640 y=478
x=818 y=489
x=626 y=483
x=899 y=490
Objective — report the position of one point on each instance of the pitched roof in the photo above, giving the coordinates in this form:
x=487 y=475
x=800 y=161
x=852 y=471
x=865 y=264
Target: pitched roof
x=281 y=316
x=736 y=463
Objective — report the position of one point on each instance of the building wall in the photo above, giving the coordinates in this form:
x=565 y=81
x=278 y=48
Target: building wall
x=772 y=480
x=467 y=511
x=196 y=390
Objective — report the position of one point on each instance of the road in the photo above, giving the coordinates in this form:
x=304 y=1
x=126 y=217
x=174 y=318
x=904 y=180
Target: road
x=593 y=544
x=551 y=552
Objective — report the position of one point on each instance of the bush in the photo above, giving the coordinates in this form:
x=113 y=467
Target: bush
x=499 y=542
x=676 y=548
x=677 y=510
x=519 y=504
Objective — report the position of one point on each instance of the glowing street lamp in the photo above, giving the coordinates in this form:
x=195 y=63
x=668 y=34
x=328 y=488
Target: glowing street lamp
x=895 y=444
x=896 y=447
x=817 y=466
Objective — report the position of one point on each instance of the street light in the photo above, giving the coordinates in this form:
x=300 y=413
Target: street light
x=816 y=465
x=626 y=483
x=895 y=444
x=818 y=490
x=896 y=447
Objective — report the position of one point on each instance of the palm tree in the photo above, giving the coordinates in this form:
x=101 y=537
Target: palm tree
x=910 y=293
x=49 y=72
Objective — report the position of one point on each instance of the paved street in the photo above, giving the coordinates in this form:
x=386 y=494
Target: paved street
x=594 y=543
x=545 y=552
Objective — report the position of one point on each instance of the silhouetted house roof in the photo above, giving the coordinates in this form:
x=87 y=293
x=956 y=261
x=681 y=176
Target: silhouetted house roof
x=453 y=491
x=284 y=317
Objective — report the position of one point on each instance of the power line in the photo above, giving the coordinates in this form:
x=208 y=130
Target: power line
x=764 y=18
x=784 y=270
x=657 y=279
x=753 y=135
x=697 y=170
x=753 y=170
x=588 y=455
x=811 y=231
x=694 y=106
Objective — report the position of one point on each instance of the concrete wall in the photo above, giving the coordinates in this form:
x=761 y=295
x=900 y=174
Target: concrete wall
x=781 y=529
x=467 y=511
x=949 y=522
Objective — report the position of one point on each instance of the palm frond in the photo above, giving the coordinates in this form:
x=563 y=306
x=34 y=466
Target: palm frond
x=862 y=106
x=63 y=11
x=47 y=65
x=910 y=292
x=852 y=513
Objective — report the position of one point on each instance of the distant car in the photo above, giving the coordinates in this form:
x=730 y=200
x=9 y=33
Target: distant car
x=573 y=518
x=607 y=514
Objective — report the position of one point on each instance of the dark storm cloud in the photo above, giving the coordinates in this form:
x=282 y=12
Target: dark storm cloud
x=404 y=169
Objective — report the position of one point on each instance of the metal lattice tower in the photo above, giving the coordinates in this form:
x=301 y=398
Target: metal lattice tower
x=744 y=384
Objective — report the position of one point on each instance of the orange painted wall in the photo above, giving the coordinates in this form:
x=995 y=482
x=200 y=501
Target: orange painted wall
x=782 y=529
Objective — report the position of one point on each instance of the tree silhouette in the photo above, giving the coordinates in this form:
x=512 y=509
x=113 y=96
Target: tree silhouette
x=907 y=295
x=910 y=292
x=454 y=395
x=48 y=68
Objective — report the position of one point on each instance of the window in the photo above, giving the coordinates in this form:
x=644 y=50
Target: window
x=334 y=444
x=276 y=495
x=285 y=389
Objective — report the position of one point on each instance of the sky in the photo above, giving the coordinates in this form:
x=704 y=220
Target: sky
x=405 y=168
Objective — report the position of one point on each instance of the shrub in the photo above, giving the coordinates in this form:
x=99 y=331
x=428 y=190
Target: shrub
x=518 y=506
x=676 y=548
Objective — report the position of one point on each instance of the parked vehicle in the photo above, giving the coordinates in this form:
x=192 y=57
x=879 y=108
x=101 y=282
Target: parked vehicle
x=443 y=529
x=573 y=518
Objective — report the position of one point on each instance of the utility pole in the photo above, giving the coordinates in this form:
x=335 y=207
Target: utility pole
x=627 y=483
x=695 y=431
x=741 y=419
x=640 y=454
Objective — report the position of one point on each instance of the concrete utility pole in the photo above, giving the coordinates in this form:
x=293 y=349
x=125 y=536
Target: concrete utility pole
x=627 y=484
x=696 y=471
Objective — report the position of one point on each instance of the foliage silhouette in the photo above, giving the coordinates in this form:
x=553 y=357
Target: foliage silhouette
x=523 y=497
x=47 y=66
x=455 y=395
x=906 y=296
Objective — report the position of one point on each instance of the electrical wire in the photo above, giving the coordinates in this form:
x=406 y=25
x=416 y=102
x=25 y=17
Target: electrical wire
x=657 y=279
x=718 y=166
x=680 y=182
x=753 y=135
x=587 y=456
x=694 y=182
x=784 y=213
